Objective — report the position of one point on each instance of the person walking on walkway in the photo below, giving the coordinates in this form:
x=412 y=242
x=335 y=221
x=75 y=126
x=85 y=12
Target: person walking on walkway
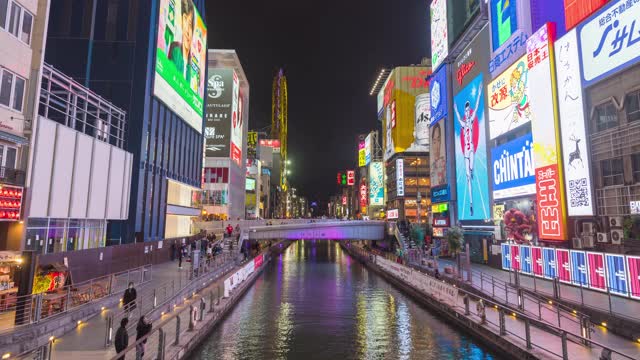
x=122 y=337
x=142 y=329
x=129 y=298
x=180 y=255
x=229 y=230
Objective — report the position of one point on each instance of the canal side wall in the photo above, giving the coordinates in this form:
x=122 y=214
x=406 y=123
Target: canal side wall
x=494 y=341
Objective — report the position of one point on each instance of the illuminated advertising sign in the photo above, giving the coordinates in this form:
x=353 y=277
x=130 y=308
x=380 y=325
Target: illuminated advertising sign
x=250 y=184
x=634 y=207
x=544 y=11
x=549 y=263
x=506 y=256
x=513 y=168
x=610 y=40
x=617 y=274
x=563 y=267
x=440 y=194
x=549 y=187
x=633 y=266
x=392 y=214
x=509 y=97
x=364 y=198
x=439 y=208
x=510 y=27
x=361 y=154
x=438 y=91
x=367 y=150
x=252 y=145
x=579 y=268
x=400 y=177
x=237 y=123
x=270 y=143
x=422 y=121
x=10 y=202
x=471 y=152
x=577 y=10
x=439 y=110
x=536 y=261
x=351 y=177
x=573 y=132
x=515 y=257
x=376 y=183
x=439 y=232
x=181 y=54
x=595 y=267
x=525 y=259
x=217 y=133
x=472 y=61
x=439 y=32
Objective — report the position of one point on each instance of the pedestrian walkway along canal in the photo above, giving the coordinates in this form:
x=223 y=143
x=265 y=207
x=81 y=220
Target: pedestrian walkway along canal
x=316 y=302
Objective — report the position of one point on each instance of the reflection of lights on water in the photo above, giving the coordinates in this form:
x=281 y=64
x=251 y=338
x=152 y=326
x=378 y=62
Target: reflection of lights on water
x=404 y=330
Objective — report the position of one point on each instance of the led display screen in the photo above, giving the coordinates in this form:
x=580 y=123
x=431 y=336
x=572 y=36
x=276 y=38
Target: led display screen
x=617 y=274
x=596 y=269
x=536 y=261
x=579 y=268
x=563 y=266
x=439 y=32
x=549 y=263
x=525 y=259
x=506 y=256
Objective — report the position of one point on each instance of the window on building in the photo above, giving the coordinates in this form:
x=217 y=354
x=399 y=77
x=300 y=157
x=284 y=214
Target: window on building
x=16 y=20
x=606 y=116
x=4 y=10
x=635 y=159
x=11 y=90
x=632 y=106
x=8 y=156
x=27 y=23
x=612 y=172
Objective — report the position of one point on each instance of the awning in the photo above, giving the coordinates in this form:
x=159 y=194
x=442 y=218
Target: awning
x=13 y=138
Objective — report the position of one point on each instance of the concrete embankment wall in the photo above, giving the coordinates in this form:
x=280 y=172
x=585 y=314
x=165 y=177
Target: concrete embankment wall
x=492 y=340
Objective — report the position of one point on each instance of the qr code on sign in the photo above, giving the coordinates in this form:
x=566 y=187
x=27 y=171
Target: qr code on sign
x=578 y=193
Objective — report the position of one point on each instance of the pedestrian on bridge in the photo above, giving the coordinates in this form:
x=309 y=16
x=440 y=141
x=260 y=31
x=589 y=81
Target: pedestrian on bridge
x=129 y=298
x=122 y=337
x=142 y=329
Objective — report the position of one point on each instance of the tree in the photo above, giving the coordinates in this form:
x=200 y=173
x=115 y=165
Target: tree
x=455 y=238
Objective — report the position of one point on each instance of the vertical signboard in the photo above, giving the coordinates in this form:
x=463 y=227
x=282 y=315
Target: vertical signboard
x=549 y=263
x=573 y=130
x=595 y=266
x=237 y=104
x=439 y=32
x=364 y=199
x=439 y=111
x=545 y=129
x=421 y=127
x=506 y=256
x=367 y=150
x=633 y=266
x=563 y=265
x=610 y=40
x=217 y=132
x=579 y=268
x=510 y=22
x=376 y=183
x=252 y=145
x=616 y=274
x=525 y=259
x=351 y=177
x=577 y=10
x=515 y=258
x=400 y=177
x=536 y=261
x=361 y=154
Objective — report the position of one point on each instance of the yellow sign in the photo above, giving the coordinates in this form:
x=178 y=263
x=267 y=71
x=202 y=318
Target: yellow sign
x=439 y=208
x=362 y=161
x=498 y=212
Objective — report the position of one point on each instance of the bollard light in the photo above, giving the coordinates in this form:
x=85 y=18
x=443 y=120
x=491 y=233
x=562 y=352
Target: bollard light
x=52 y=338
x=102 y=308
x=604 y=324
x=79 y=322
x=550 y=302
x=6 y=356
x=514 y=314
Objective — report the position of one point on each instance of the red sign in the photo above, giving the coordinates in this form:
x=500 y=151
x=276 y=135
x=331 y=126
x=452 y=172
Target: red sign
x=633 y=264
x=536 y=260
x=392 y=214
x=270 y=143
x=419 y=81
x=388 y=91
x=351 y=177
x=393 y=114
x=10 y=203
x=515 y=257
x=339 y=179
x=551 y=226
x=595 y=267
x=577 y=10
x=564 y=268
x=257 y=261
x=364 y=198
x=464 y=70
x=344 y=200
x=441 y=221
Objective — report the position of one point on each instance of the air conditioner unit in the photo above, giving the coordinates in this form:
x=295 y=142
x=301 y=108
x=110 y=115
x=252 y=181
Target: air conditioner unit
x=602 y=237
x=615 y=221
x=577 y=243
x=588 y=241
x=616 y=236
x=587 y=228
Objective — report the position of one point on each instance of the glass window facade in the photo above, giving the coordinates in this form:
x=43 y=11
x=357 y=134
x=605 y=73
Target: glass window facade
x=46 y=236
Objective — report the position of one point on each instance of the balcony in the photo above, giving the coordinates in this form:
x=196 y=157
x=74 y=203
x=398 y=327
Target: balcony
x=69 y=103
x=614 y=200
x=12 y=176
x=616 y=142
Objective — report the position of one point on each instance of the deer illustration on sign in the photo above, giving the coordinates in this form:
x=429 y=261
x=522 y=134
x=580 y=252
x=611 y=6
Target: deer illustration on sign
x=575 y=155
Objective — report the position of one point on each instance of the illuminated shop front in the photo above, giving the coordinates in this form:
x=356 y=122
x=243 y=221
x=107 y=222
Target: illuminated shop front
x=183 y=207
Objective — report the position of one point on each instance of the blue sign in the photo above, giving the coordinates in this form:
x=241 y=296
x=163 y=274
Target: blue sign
x=610 y=40
x=549 y=263
x=513 y=168
x=438 y=91
x=616 y=274
x=508 y=54
x=440 y=194
x=525 y=260
x=506 y=256
x=579 y=274
x=266 y=171
x=504 y=21
x=471 y=152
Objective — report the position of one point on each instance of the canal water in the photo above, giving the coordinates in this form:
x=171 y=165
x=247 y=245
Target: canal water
x=316 y=302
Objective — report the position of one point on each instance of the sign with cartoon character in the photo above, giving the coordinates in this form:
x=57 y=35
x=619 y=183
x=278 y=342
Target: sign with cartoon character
x=573 y=130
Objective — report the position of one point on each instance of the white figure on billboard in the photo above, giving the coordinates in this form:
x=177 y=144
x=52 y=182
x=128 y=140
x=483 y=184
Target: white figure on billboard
x=469 y=141
x=390 y=147
x=422 y=122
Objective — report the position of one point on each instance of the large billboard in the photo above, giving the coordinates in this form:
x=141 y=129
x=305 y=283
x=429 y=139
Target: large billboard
x=181 y=54
x=237 y=121
x=376 y=183
x=545 y=129
x=577 y=10
x=217 y=131
x=510 y=22
x=464 y=11
x=367 y=150
x=513 y=168
x=509 y=97
x=609 y=40
x=573 y=130
x=471 y=152
x=439 y=110
x=404 y=131
x=439 y=32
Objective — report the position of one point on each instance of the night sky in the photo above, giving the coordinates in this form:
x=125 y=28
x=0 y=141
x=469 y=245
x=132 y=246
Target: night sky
x=331 y=51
